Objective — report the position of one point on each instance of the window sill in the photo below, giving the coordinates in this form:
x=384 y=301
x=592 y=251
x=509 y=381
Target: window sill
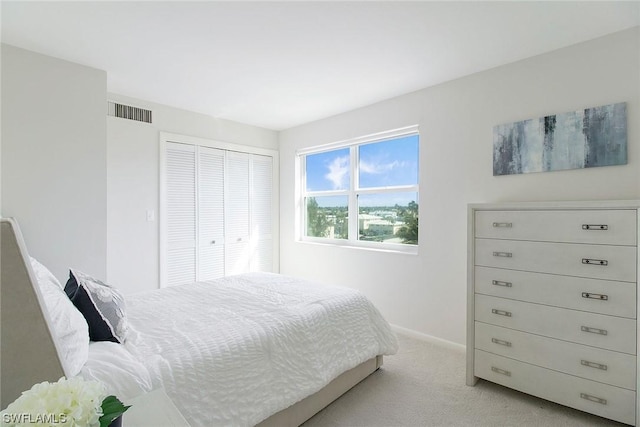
x=408 y=250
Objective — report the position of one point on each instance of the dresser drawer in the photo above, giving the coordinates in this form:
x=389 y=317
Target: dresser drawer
x=609 y=332
x=609 y=367
x=578 y=293
x=611 y=227
x=595 y=261
x=601 y=399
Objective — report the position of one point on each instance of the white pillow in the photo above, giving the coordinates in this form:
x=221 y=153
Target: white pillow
x=70 y=329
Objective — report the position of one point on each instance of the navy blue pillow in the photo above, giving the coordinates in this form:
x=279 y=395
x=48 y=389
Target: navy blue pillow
x=100 y=304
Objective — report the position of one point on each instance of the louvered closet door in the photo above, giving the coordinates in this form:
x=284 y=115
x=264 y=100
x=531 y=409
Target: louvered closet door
x=237 y=213
x=210 y=213
x=261 y=213
x=180 y=213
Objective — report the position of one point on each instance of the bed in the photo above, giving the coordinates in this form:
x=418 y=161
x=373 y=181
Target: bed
x=254 y=349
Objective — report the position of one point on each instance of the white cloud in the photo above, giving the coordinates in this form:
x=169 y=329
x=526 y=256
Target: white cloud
x=374 y=168
x=338 y=173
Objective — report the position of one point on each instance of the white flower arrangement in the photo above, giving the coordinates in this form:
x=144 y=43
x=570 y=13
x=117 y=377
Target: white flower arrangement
x=71 y=402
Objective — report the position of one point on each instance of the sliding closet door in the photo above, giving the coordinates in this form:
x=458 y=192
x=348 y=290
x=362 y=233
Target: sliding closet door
x=261 y=172
x=180 y=263
x=237 y=213
x=210 y=213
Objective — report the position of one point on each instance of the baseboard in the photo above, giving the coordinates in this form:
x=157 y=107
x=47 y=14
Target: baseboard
x=428 y=338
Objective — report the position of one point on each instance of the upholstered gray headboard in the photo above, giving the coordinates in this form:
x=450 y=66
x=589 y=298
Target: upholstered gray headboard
x=28 y=351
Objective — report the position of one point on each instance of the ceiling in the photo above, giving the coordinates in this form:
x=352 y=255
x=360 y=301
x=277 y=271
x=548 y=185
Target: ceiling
x=281 y=64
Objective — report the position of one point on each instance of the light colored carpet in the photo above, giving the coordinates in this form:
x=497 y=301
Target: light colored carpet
x=424 y=385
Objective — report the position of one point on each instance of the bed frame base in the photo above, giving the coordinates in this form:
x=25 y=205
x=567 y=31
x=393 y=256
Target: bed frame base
x=300 y=412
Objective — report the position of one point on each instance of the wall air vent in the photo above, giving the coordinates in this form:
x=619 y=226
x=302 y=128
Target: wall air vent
x=128 y=112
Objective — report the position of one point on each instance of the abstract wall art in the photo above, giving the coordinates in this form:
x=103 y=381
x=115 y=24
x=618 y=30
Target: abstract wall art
x=580 y=139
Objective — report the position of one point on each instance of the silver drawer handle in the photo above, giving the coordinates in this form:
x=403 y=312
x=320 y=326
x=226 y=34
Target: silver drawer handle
x=593 y=365
x=593 y=330
x=595 y=227
x=501 y=312
x=592 y=261
x=501 y=283
x=600 y=297
x=501 y=342
x=593 y=398
x=503 y=254
x=213 y=242
x=500 y=371
x=503 y=224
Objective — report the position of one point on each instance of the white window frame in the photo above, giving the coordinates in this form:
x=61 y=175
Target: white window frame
x=352 y=192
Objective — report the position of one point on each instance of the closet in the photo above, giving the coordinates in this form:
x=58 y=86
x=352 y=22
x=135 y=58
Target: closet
x=217 y=210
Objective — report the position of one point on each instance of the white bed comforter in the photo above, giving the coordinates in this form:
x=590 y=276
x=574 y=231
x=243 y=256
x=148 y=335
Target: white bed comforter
x=234 y=351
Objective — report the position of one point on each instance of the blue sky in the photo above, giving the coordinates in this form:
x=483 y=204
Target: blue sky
x=328 y=171
x=386 y=163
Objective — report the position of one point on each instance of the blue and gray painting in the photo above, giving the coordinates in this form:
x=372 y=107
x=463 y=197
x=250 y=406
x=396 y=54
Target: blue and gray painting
x=579 y=139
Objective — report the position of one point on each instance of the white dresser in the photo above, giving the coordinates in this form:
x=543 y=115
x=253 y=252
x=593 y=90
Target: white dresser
x=552 y=302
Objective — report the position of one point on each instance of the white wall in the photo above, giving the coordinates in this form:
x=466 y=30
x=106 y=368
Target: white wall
x=427 y=293
x=133 y=184
x=54 y=159
x=79 y=182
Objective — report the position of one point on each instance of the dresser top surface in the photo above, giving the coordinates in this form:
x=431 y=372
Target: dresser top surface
x=551 y=205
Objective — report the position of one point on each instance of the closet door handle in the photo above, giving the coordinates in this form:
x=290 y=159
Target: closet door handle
x=501 y=283
x=595 y=227
x=593 y=261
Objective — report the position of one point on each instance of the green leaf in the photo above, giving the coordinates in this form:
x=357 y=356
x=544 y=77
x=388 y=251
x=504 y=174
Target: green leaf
x=112 y=408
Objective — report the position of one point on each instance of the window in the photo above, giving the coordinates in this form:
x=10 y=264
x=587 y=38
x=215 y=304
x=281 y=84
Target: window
x=362 y=192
